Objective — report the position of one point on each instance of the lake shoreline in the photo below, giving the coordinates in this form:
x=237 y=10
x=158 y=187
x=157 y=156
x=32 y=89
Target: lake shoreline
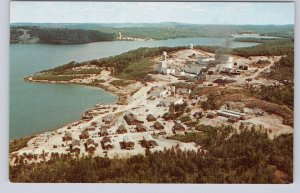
x=30 y=80
x=42 y=51
x=99 y=86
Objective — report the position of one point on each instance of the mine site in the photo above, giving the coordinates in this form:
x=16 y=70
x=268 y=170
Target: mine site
x=175 y=103
x=151 y=93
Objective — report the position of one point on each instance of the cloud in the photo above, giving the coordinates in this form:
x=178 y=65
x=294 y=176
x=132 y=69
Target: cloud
x=145 y=12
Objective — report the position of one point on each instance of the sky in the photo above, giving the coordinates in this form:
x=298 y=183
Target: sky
x=235 y=13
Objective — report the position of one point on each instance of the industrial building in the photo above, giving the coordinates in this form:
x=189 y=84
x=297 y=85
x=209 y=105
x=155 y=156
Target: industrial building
x=194 y=68
x=159 y=92
x=231 y=114
x=171 y=100
x=163 y=66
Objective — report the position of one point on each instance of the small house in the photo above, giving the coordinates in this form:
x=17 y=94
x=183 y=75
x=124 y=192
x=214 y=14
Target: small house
x=141 y=128
x=167 y=116
x=148 y=141
x=67 y=137
x=90 y=145
x=87 y=117
x=105 y=126
x=91 y=128
x=178 y=128
x=106 y=143
x=109 y=119
x=84 y=135
x=121 y=129
x=158 y=126
x=128 y=142
x=131 y=119
x=103 y=132
x=150 y=118
x=76 y=146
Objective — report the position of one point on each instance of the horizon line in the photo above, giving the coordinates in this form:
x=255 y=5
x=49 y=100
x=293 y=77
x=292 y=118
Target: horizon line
x=139 y=23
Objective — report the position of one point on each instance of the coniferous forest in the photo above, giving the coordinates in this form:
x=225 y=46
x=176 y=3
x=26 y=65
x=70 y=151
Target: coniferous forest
x=248 y=157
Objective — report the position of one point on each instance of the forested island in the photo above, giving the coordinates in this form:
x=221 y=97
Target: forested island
x=28 y=34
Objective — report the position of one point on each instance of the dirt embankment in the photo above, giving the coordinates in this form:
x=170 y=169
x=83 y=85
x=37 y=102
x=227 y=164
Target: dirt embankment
x=102 y=80
x=282 y=110
x=221 y=96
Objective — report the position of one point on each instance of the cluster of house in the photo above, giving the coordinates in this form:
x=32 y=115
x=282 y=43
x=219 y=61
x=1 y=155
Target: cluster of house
x=85 y=137
x=104 y=133
x=132 y=119
x=97 y=110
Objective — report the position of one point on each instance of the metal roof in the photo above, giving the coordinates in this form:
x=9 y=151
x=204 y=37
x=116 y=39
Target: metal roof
x=127 y=138
x=148 y=137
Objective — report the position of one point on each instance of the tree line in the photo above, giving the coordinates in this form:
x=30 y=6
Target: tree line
x=246 y=157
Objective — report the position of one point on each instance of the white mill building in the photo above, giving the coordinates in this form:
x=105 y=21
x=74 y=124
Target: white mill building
x=163 y=66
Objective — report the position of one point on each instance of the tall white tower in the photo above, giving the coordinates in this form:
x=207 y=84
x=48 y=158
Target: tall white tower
x=164 y=56
x=191 y=46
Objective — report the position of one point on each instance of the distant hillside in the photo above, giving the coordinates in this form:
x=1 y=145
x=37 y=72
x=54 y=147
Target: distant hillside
x=29 y=34
x=88 y=32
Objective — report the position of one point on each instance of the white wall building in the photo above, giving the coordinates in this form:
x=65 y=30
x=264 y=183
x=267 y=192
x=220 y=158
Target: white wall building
x=168 y=71
x=193 y=68
x=161 y=65
x=204 y=61
x=169 y=100
x=160 y=92
x=163 y=68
